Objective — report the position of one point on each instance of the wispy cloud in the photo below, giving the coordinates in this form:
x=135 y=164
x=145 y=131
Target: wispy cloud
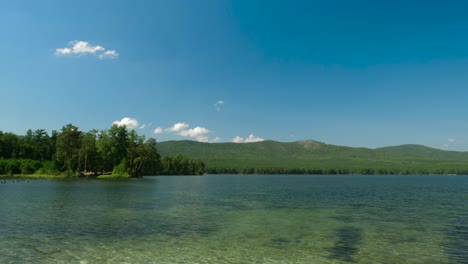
x=80 y=48
x=109 y=54
x=218 y=105
x=250 y=139
x=143 y=126
x=450 y=142
x=128 y=122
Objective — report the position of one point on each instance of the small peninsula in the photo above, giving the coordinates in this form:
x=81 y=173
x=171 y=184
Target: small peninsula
x=112 y=153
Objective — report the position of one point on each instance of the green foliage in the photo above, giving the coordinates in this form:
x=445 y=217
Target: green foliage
x=10 y=146
x=13 y=167
x=180 y=165
x=19 y=166
x=36 y=145
x=89 y=153
x=104 y=150
x=68 y=148
x=119 y=143
x=30 y=166
x=147 y=158
x=47 y=168
x=72 y=152
x=121 y=170
x=311 y=157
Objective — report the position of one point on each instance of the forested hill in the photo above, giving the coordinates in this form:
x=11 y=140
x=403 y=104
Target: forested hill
x=310 y=156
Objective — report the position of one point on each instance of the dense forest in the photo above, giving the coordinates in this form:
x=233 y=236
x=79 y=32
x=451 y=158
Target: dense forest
x=312 y=157
x=120 y=152
x=71 y=152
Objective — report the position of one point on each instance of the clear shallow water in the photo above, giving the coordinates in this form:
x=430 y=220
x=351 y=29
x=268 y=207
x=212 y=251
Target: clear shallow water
x=237 y=219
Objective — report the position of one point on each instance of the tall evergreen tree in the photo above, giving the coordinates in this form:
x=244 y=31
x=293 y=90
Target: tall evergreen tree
x=68 y=148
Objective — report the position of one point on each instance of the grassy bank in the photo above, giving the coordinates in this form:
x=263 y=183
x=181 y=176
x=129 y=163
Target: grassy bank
x=34 y=176
x=60 y=176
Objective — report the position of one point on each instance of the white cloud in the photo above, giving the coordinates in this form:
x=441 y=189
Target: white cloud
x=183 y=129
x=218 y=105
x=451 y=140
x=177 y=127
x=78 y=48
x=250 y=139
x=158 y=130
x=445 y=145
x=128 y=122
x=198 y=132
x=108 y=54
x=238 y=139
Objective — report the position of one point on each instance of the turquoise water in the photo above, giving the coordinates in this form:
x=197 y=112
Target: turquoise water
x=236 y=219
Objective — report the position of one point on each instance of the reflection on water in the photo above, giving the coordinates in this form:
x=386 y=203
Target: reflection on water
x=236 y=219
x=346 y=245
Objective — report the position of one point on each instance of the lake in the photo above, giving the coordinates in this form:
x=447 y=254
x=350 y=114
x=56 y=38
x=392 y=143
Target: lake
x=236 y=219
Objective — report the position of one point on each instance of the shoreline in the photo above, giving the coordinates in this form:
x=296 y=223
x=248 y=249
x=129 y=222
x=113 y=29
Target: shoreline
x=59 y=177
x=114 y=177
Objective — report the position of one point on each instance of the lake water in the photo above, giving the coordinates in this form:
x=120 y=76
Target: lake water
x=236 y=219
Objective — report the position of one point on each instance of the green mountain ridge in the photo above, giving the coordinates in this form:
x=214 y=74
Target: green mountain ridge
x=309 y=156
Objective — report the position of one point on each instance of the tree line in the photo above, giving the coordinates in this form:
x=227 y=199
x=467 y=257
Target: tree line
x=342 y=171
x=116 y=151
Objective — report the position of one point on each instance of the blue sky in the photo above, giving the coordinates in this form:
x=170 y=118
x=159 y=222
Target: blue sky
x=356 y=73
